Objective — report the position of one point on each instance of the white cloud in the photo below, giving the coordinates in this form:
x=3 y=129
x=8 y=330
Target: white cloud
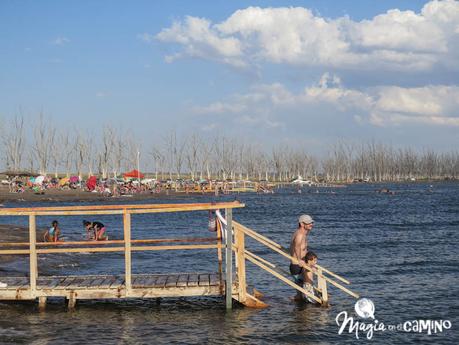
x=382 y=106
x=202 y=40
x=395 y=40
x=436 y=105
x=60 y=41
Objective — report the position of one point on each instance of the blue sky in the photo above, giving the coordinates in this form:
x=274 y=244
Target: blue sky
x=298 y=72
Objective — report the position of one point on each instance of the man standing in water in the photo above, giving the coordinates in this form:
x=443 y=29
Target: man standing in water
x=299 y=248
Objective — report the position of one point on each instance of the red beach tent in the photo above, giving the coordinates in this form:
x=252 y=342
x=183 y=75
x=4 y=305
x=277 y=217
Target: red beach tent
x=91 y=183
x=134 y=174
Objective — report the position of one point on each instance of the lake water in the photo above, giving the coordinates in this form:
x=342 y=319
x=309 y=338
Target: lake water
x=401 y=251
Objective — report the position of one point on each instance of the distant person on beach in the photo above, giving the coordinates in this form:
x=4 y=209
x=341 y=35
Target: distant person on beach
x=53 y=233
x=299 y=248
x=95 y=231
x=308 y=277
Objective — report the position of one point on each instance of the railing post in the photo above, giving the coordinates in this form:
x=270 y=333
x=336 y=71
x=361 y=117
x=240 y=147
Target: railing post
x=33 y=255
x=322 y=286
x=240 y=260
x=229 y=258
x=127 y=251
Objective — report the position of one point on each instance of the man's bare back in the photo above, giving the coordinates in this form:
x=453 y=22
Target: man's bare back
x=299 y=244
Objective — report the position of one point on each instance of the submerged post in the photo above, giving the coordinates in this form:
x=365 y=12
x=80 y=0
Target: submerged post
x=322 y=286
x=127 y=251
x=33 y=255
x=229 y=258
x=240 y=259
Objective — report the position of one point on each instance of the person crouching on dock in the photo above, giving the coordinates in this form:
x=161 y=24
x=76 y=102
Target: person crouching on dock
x=95 y=231
x=53 y=233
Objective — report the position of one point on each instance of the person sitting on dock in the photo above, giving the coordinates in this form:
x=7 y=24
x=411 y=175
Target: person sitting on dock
x=299 y=248
x=95 y=231
x=53 y=233
x=308 y=277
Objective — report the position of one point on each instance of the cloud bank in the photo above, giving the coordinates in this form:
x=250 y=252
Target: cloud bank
x=395 y=40
x=392 y=48
x=381 y=106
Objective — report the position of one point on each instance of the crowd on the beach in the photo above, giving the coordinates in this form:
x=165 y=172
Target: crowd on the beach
x=128 y=185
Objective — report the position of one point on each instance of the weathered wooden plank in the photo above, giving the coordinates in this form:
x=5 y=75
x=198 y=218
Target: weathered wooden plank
x=140 y=281
x=214 y=279
x=182 y=280
x=76 y=283
x=161 y=281
x=150 y=281
x=23 y=284
x=118 y=282
x=204 y=280
x=96 y=283
x=68 y=281
x=172 y=280
x=108 y=281
x=193 y=279
x=55 y=282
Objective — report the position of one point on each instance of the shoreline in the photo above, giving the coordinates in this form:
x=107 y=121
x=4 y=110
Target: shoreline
x=55 y=195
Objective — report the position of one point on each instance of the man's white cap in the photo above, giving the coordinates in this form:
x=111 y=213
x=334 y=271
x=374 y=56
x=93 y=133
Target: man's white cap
x=304 y=218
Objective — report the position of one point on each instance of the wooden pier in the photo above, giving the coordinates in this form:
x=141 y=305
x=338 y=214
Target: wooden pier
x=229 y=279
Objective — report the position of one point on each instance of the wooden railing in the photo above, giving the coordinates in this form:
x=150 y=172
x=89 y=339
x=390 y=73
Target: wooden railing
x=126 y=245
x=323 y=275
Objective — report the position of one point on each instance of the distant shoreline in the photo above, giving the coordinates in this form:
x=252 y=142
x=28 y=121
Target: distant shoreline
x=76 y=195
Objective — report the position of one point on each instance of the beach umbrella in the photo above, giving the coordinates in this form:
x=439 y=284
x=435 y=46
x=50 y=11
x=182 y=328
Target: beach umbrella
x=63 y=181
x=133 y=174
x=74 y=179
x=39 y=180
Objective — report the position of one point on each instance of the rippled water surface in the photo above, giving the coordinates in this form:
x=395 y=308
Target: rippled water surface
x=399 y=250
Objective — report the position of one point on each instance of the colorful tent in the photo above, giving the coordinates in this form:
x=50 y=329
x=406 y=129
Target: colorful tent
x=63 y=181
x=74 y=179
x=91 y=183
x=133 y=174
x=39 y=180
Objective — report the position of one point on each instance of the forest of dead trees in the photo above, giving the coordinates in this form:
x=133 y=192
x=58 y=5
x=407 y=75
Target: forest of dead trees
x=45 y=150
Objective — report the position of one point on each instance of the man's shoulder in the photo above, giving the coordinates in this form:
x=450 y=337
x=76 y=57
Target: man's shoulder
x=298 y=234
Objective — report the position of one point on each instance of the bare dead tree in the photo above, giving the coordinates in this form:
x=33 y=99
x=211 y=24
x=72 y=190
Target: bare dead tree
x=44 y=136
x=107 y=147
x=192 y=154
x=14 y=143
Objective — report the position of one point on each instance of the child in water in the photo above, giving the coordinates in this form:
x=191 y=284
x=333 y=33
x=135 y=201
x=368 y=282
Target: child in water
x=95 y=231
x=53 y=233
x=311 y=261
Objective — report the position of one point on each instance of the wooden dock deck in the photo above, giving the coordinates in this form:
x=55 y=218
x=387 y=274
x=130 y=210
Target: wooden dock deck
x=114 y=286
x=229 y=242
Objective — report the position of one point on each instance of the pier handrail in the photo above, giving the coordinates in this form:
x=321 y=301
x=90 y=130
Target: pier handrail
x=116 y=209
x=242 y=254
x=126 y=245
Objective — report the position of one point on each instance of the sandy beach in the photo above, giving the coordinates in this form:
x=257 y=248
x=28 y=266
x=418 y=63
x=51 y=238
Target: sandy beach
x=76 y=195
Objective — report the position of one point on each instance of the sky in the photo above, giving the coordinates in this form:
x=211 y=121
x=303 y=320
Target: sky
x=302 y=73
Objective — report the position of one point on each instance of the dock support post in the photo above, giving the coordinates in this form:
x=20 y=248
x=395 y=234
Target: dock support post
x=72 y=301
x=33 y=255
x=42 y=303
x=127 y=251
x=240 y=259
x=229 y=258
x=322 y=286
